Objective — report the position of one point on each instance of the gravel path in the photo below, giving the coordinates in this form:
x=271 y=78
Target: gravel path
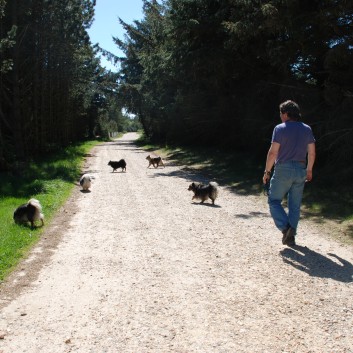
x=136 y=266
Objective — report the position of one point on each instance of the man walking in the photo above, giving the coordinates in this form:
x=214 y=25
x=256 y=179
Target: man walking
x=292 y=153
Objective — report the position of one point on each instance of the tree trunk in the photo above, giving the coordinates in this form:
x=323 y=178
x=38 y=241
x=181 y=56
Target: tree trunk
x=16 y=96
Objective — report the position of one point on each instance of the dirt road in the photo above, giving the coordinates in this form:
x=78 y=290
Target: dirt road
x=136 y=266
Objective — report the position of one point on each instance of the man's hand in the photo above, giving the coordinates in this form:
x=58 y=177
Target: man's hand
x=266 y=178
x=309 y=175
x=266 y=181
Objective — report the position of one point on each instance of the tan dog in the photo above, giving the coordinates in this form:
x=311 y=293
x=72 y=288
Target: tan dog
x=155 y=161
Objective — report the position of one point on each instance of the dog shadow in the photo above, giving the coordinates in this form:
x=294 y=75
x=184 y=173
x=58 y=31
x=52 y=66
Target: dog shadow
x=85 y=191
x=28 y=225
x=317 y=265
x=205 y=204
x=252 y=215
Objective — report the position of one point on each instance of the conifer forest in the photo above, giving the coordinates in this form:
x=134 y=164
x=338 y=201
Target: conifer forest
x=194 y=72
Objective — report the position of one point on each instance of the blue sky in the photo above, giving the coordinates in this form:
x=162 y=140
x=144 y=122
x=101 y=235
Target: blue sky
x=106 y=23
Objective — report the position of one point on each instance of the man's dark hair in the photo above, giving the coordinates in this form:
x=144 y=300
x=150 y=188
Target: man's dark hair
x=291 y=108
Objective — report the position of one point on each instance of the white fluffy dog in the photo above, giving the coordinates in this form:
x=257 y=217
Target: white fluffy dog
x=86 y=181
x=29 y=212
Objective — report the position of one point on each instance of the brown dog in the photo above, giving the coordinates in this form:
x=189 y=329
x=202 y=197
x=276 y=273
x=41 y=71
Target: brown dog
x=155 y=161
x=203 y=192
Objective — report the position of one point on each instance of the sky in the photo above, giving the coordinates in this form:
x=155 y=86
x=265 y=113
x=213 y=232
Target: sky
x=106 y=24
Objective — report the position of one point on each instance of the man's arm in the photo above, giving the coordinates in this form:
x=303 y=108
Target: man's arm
x=311 y=160
x=270 y=161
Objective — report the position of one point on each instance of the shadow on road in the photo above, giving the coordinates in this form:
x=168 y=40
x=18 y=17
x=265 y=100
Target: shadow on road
x=318 y=265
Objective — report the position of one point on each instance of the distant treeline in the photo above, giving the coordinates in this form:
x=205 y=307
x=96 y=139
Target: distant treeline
x=206 y=72
x=214 y=72
x=53 y=91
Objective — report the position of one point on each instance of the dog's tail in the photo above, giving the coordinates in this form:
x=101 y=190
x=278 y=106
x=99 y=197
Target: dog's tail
x=38 y=215
x=35 y=203
x=87 y=177
x=214 y=190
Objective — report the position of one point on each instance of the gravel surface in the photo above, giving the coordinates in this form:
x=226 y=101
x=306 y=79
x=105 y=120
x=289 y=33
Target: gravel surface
x=136 y=266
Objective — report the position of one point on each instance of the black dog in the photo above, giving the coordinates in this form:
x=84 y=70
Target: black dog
x=118 y=164
x=203 y=192
x=29 y=212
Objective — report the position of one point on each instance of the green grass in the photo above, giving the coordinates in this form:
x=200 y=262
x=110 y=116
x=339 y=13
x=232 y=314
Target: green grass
x=242 y=173
x=49 y=180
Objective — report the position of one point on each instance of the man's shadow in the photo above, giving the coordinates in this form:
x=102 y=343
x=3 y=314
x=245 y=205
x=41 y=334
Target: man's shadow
x=317 y=265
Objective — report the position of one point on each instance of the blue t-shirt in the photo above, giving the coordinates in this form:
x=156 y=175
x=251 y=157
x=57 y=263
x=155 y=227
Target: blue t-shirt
x=294 y=138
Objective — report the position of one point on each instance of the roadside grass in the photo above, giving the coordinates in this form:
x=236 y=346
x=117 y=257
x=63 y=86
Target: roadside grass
x=242 y=173
x=50 y=180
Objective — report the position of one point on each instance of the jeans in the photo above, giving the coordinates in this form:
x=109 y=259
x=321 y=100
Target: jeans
x=288 y=179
